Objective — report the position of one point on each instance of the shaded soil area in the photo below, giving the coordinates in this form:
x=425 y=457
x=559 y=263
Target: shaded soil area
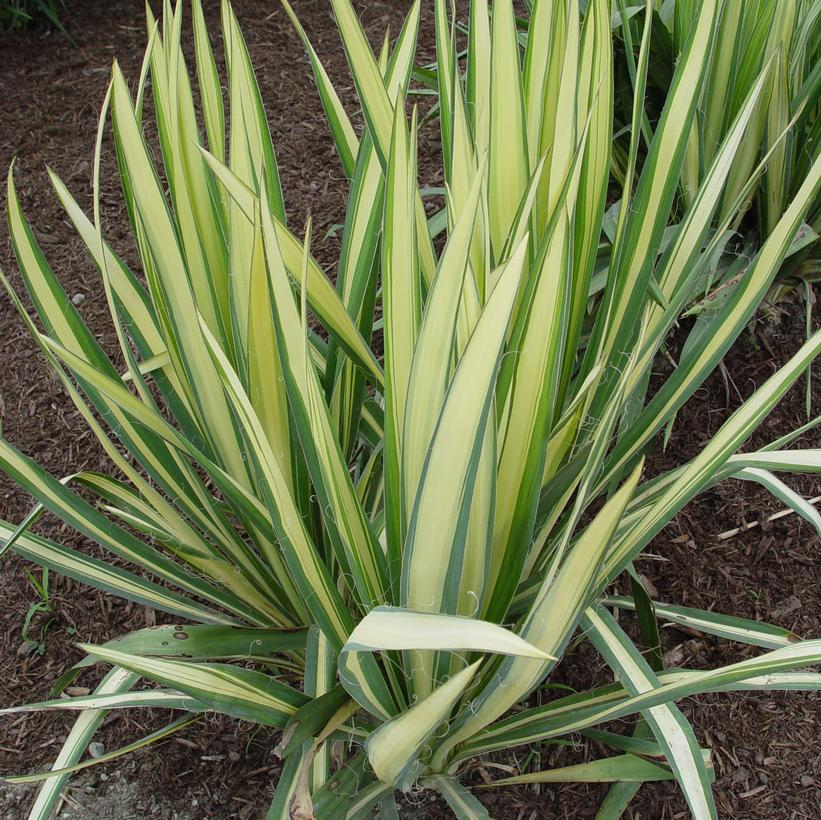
x=767 y=747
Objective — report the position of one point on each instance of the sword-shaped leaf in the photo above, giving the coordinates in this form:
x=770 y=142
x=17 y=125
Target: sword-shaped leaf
x=232 y=690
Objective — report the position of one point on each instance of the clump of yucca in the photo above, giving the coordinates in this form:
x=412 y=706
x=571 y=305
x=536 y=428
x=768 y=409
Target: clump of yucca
x=404 y=545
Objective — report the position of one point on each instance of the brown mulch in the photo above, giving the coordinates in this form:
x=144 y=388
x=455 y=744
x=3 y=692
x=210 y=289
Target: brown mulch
x=767 y=747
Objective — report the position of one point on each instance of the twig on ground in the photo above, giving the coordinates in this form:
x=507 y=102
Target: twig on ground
x=753 y=524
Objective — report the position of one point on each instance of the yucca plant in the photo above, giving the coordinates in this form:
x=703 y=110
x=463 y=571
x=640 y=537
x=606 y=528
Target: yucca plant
x=749 y=37
x=394 y=550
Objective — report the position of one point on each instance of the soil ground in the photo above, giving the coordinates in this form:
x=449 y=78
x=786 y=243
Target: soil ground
x=767 y=748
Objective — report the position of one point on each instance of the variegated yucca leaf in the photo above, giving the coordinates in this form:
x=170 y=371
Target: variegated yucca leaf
x=378 y=500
